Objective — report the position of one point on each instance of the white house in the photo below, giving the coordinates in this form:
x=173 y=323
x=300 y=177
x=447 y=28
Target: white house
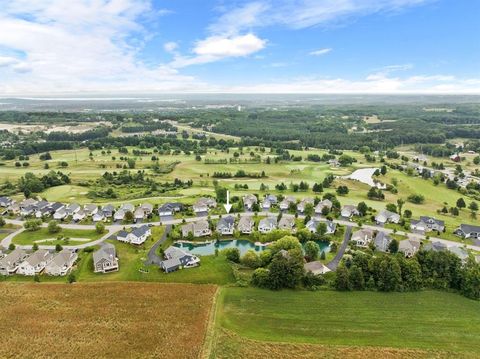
x=387 y=217
x=348 y=211
x=326 y=203
x=198 y=228
x=60 y=215
x=362 y=237
x=139 y=235
x=226 y=225
x=267 y=224
x=409 y=247
x=245 y=225
x=35 y=263
x=79 y=216
x=9 y=264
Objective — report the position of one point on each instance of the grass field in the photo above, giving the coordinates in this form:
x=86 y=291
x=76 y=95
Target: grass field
x=145 y=320
x=415 y=321
x=42 y=236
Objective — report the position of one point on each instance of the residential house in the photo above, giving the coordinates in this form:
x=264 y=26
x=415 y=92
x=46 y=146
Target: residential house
x=285 y=204
x=271 y=198
x=409 y=247
x=427 y=224
x=35 y=263
x=460 y=252
x=316 y=267
x=108 y=211
x=72 y=208
x=79 y=216
x=147 y=209
x=326 y=203
x=42 y=209
x=303 y=204
x=61 y=263
x=122 y=236
x=468 y=231
x=286 y=223
x=348 y=211
x=98 y=217
x=266 y=205
x=60 y=214
x=249 y=201
x=90 y=210
x=226 y=225
x=267 y=224
x=105 y=259
x=385 y=216
x=312 y=226
x=382 y=241
x=363 y=237
x=139 y=215
x=119 y=215
x=10 y=263
x=435 y=246
x=176 y=258
x=169 y=209
x=127 y=207
x=245 y=225
x=56 y=206
x=198 y=229
x=203 y=204
x=139 y=235
x=5 y=202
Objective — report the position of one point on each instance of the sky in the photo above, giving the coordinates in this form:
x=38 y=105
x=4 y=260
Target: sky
x=259 y=46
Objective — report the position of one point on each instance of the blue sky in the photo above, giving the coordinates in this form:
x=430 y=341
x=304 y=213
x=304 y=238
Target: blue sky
x=321 y=46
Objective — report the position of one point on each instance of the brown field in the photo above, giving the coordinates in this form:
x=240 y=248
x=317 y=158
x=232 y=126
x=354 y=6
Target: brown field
x=229 y=345
x=114 y=320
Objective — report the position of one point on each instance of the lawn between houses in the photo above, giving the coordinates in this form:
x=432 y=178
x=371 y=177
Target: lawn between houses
x=43 y=237
x=429 y=323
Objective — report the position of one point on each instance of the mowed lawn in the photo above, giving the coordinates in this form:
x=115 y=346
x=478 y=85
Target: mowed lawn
x=114 y=320
x=423 y=320
x=42 y=236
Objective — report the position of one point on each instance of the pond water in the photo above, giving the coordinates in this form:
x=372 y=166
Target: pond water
x=206 y=249
x=364 y=175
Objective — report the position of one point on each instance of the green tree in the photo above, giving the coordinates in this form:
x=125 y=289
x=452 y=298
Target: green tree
x=35 y=247
x=53 y=227
x=362 y=208
x=261 y=278
x=400 y=203
x=129 y=216
x=58 y=248
x=473 y=206
x=342 y=279
x=357 y=281
x=286 y=271
x=393 y=246
x=2 y=222
x=286 y=243
x=311 y=250
x=32 y=225
x=251 y=259
x=100 y=227
x=461 y=203
x=232 y=254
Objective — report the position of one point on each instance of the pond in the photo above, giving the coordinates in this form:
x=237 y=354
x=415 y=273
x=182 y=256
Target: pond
x=206 y=249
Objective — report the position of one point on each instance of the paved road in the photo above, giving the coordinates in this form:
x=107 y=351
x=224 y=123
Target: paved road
x=336 y=261
x=152 y=257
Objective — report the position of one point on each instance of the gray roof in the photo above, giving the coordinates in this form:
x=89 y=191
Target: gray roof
x=268 y=221
x=228 y=221
x=38 y=257
x=426 y=219
x=13 y=257
x=107 y=251
x=140 y=231
x=62 y=258
x=435 y=246
x=382 y=241
x=469 y=228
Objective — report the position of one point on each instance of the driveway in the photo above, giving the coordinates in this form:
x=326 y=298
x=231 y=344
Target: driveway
x=152 y=257
x=333 y=265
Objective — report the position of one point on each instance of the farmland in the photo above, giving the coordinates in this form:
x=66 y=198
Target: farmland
x=423 y=322
x=142 y=319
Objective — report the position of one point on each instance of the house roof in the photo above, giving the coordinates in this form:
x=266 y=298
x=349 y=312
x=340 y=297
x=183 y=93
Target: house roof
x=381 y=241
x=107 y=251
x=38 y=257
x=62 y=258
x=12 y=257
x=122 y=234
x=469 y=228
x=246 y=221
x=316 y=267
x=426 y=219
x=286 y=222
x=140 y=231
x=268 y=222
x=226 y=222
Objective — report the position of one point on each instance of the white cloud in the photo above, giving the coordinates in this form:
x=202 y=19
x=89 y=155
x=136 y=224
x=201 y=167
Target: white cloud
x=215 y=48
x=372 y=84
x=320 y=52
x=79 y=46
x=170 y=46
x=303 y=13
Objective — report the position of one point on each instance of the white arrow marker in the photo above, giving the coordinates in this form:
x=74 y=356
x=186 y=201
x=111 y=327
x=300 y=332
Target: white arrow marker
x=228 y=206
